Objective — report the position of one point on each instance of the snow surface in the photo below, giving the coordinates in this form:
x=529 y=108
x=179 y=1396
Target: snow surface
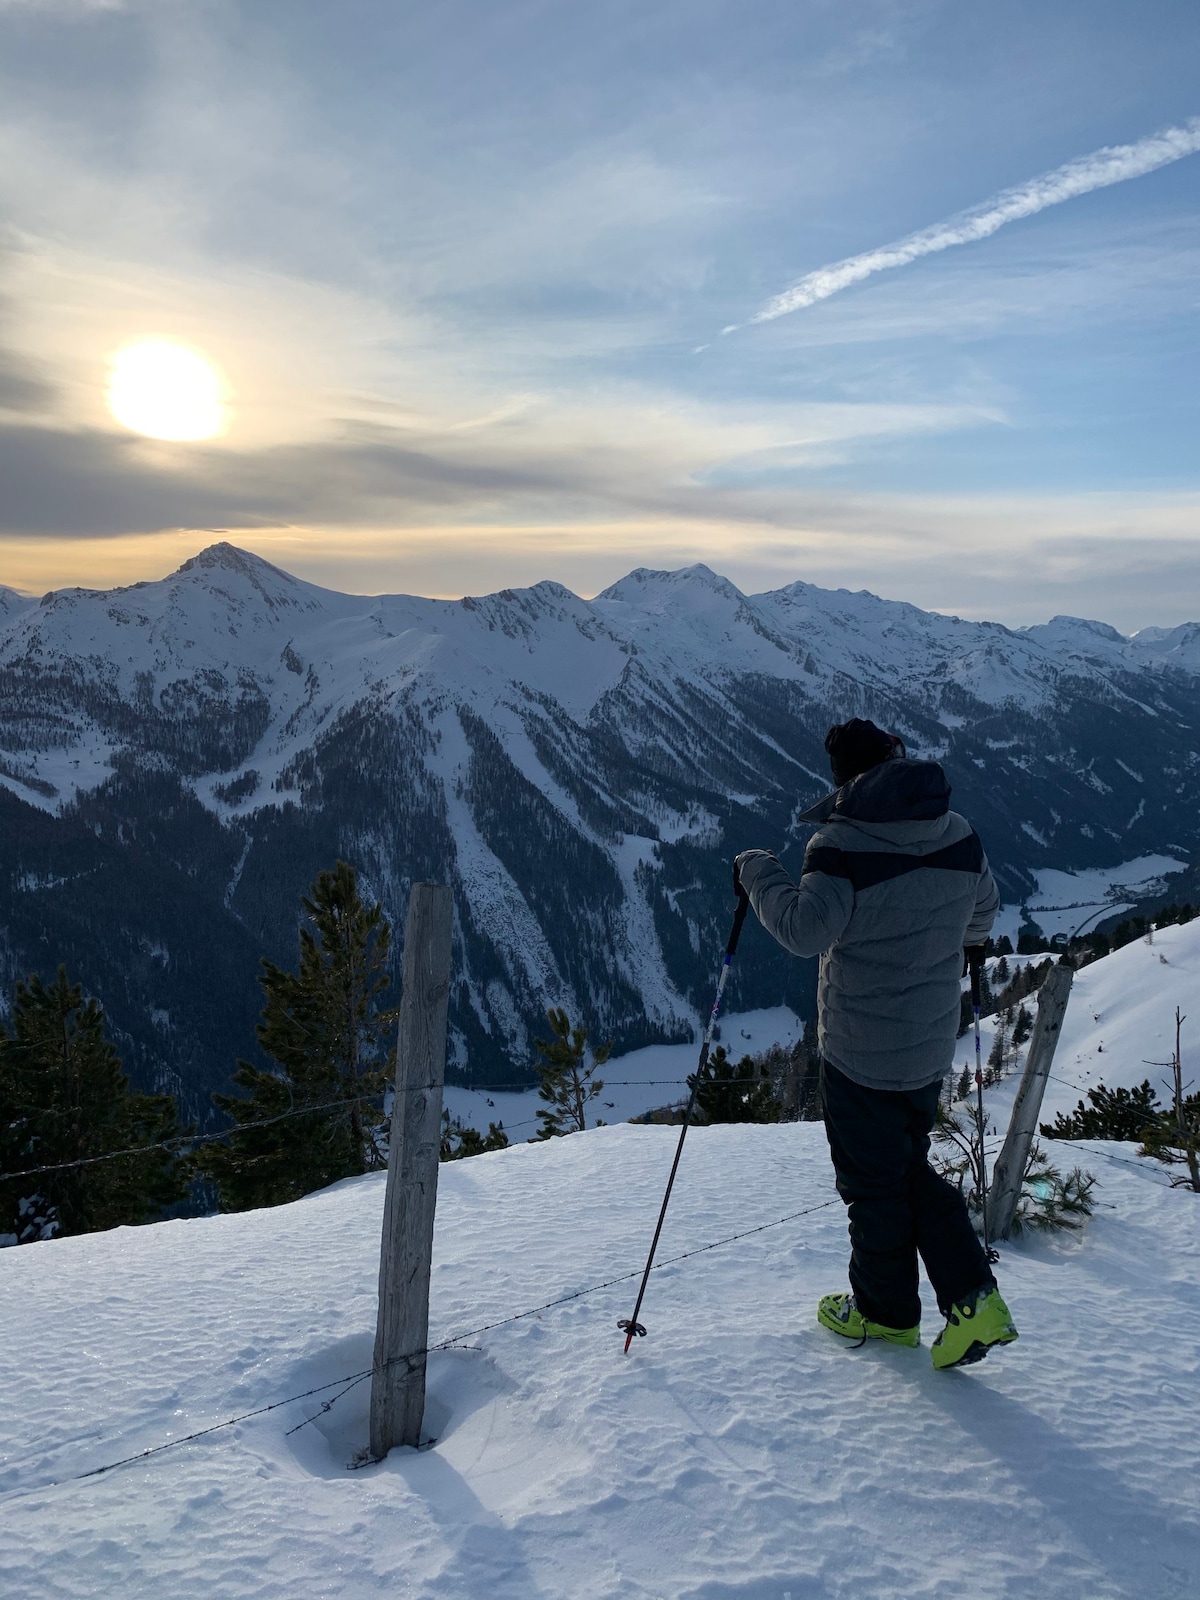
x=738 y=1453
x=1065 y=900
x=1120 y=1019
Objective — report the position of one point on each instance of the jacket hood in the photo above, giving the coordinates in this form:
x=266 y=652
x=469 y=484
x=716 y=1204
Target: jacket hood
x=894 y=791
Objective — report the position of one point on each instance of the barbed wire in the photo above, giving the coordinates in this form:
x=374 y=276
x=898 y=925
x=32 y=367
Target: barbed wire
x=184 y=1140
x=181 y=1140
x=191 y=1138
x=1139 y=1165
x=350 y=1380
x=525 y=1085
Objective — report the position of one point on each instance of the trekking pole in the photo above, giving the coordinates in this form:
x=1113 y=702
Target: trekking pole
x=632 y=1327
x=975 y=960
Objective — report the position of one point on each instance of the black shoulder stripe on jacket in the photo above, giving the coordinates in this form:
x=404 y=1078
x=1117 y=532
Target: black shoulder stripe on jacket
x=865 y=868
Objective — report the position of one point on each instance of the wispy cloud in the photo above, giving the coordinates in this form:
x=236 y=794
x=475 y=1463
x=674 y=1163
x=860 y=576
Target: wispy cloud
x=1099 y=170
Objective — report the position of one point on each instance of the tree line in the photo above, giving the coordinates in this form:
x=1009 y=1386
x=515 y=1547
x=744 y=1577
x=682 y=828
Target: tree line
x=80 y=1150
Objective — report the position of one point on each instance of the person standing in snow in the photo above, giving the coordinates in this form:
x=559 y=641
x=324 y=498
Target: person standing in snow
x=894 y=885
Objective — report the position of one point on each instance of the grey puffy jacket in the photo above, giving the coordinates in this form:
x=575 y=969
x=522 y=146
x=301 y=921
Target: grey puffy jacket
x=894 y=884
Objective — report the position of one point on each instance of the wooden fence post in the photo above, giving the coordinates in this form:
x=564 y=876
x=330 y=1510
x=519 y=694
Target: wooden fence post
x=402 y=1331
x=1009 y=1172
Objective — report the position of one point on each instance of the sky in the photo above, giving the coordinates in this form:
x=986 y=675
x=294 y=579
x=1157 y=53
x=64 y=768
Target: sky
x=502 y=290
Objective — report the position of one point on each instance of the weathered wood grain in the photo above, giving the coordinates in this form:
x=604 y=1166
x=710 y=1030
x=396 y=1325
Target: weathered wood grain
x=402 y=1331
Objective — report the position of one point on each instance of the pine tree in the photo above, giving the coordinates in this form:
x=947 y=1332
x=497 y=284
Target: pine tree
x=460 y=1141
x=330 y=1039
x=962 y=1130
x=64 y=1098
x=568 y=1077
x=996 y=1057
x=741 y=1093
x=806 y=1067
x=1023 y=1026
x=1048 y=1201
x=1123 y=1114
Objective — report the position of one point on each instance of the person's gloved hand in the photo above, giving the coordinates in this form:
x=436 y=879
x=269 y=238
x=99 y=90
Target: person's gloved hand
x=738 y=887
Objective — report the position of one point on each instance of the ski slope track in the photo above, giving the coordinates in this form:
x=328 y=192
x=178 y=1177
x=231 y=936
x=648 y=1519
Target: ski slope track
x=178 y=759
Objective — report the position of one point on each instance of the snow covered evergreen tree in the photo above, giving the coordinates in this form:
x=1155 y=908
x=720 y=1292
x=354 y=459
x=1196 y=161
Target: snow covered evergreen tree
x=331 y=1041
x=64 y=1099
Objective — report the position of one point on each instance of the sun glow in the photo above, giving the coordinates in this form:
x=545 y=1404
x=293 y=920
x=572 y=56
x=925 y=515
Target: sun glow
x=165 y=391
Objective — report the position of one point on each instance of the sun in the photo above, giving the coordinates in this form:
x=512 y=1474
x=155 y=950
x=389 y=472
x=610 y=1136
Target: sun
x=165 y=391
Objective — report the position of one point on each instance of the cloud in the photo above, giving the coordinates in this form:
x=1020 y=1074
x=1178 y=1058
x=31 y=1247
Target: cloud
x=1128 y=560
x=627 y=453
x=22 y=388
x=1099 y=170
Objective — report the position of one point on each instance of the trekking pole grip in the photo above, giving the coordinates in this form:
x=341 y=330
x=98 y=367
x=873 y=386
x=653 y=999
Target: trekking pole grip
x=739 y=918
x=975 y=960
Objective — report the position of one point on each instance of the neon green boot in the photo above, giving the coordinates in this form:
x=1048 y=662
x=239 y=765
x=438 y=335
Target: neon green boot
x=972 y=1328
x=839 y=1314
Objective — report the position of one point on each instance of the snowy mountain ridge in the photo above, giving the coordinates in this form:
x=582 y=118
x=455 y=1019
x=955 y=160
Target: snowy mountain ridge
x=227 y=620
x=198 y=748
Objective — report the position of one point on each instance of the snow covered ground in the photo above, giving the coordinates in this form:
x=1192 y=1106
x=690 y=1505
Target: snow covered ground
x=738 y=1453
x=1066 y=901
x=639 y=1081
x=1120 y=1020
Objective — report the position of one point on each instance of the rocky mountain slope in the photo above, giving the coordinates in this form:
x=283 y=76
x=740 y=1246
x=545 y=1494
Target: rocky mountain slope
x=178 y=759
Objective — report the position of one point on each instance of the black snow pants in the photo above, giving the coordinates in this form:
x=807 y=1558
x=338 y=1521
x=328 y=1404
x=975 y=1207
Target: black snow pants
x=899 y=1207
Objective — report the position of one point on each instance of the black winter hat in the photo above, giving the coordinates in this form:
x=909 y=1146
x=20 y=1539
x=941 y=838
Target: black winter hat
x=858 y=745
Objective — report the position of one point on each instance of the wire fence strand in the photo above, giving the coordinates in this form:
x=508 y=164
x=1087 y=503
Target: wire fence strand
x=350 y=1380
x=182 y=1139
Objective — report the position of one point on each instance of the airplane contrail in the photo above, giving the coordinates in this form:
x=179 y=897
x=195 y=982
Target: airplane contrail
x=1112 y=164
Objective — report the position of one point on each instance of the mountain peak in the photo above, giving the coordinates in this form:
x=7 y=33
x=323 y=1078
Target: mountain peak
x=243 y=569
x=12 y=601
x=698 y=577
x=1064 y=629
x=227 y=557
